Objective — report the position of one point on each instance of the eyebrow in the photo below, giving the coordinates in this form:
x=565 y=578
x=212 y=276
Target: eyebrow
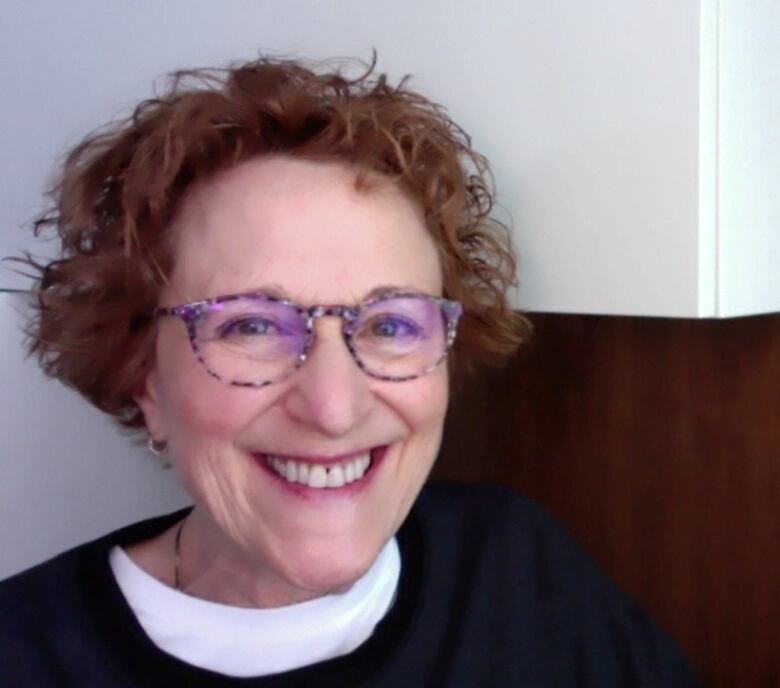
x=278 y=292
x=390 y=288
x=274 y=290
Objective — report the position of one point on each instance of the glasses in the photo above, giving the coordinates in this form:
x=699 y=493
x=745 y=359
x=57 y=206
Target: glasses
x=254 y=340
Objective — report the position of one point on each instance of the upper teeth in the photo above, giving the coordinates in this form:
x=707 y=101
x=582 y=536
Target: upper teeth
x=318 y=476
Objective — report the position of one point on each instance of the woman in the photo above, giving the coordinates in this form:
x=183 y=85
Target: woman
x=263 y=270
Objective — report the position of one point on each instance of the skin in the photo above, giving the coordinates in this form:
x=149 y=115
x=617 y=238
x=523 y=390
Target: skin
x=303 y=230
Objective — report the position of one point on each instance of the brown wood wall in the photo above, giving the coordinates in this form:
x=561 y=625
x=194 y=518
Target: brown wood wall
x=657 y=442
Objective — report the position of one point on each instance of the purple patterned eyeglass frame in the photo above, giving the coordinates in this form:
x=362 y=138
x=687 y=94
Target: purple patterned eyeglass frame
x=191 y=312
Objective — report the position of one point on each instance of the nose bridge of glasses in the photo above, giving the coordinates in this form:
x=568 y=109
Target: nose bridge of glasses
x=345 y=314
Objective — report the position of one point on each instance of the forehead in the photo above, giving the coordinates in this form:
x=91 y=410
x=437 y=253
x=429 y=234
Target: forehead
x=301 y=228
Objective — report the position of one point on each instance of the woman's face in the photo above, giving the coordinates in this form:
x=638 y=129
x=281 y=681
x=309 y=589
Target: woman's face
x=302 y=230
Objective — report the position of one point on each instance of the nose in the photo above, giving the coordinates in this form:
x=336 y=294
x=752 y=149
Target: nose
x=329 y=394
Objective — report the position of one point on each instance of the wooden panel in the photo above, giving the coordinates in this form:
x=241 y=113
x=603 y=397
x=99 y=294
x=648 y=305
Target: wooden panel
x=657 y=442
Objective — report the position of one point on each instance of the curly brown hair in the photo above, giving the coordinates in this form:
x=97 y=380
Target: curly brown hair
x=118 y=191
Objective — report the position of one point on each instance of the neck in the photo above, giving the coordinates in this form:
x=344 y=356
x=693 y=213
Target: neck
x=213 y=568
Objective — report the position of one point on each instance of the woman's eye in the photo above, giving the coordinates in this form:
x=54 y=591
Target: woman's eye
x=393 y=328
x=248 y=327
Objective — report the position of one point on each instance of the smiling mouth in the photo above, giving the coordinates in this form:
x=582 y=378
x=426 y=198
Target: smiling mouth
x=320 y=476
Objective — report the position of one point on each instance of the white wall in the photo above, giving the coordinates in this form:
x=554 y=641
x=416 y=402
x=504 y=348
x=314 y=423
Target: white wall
x=588 y=111
x=66 y=473
x=749 y=157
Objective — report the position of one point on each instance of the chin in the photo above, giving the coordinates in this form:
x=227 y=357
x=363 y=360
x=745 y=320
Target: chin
x=329 y=569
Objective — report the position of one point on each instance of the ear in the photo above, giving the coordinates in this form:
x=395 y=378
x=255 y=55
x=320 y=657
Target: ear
x=148 y=398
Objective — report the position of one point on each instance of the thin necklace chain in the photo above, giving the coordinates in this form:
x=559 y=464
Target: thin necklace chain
x=177 y=555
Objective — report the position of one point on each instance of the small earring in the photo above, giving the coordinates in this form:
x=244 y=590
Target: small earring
x=157 y=447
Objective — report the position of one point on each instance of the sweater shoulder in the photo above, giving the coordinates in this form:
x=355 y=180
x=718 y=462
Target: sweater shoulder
x=52 y=584
x=492 y=512
x=518 y=563
x=25 y=593
x=503 y=530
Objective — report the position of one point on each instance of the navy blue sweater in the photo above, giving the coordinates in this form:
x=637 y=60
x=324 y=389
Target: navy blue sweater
x=492 y=593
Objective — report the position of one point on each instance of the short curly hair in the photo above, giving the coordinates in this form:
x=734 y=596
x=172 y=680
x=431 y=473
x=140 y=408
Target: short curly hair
x=117 y=192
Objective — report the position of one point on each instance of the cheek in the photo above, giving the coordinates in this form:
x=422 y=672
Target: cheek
x=208 y=420
x=214 y=416
x=197 y=407
x=436 y=396
x=423 y=405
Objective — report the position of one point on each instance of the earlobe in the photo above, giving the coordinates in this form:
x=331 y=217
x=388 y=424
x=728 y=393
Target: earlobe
x=148 y=399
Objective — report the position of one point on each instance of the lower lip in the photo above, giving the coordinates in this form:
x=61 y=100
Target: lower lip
x=354 y=488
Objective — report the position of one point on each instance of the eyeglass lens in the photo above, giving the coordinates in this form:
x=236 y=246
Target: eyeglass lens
x=252 y=340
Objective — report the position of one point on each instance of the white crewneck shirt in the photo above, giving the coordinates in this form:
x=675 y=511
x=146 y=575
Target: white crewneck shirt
x=256 y=642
